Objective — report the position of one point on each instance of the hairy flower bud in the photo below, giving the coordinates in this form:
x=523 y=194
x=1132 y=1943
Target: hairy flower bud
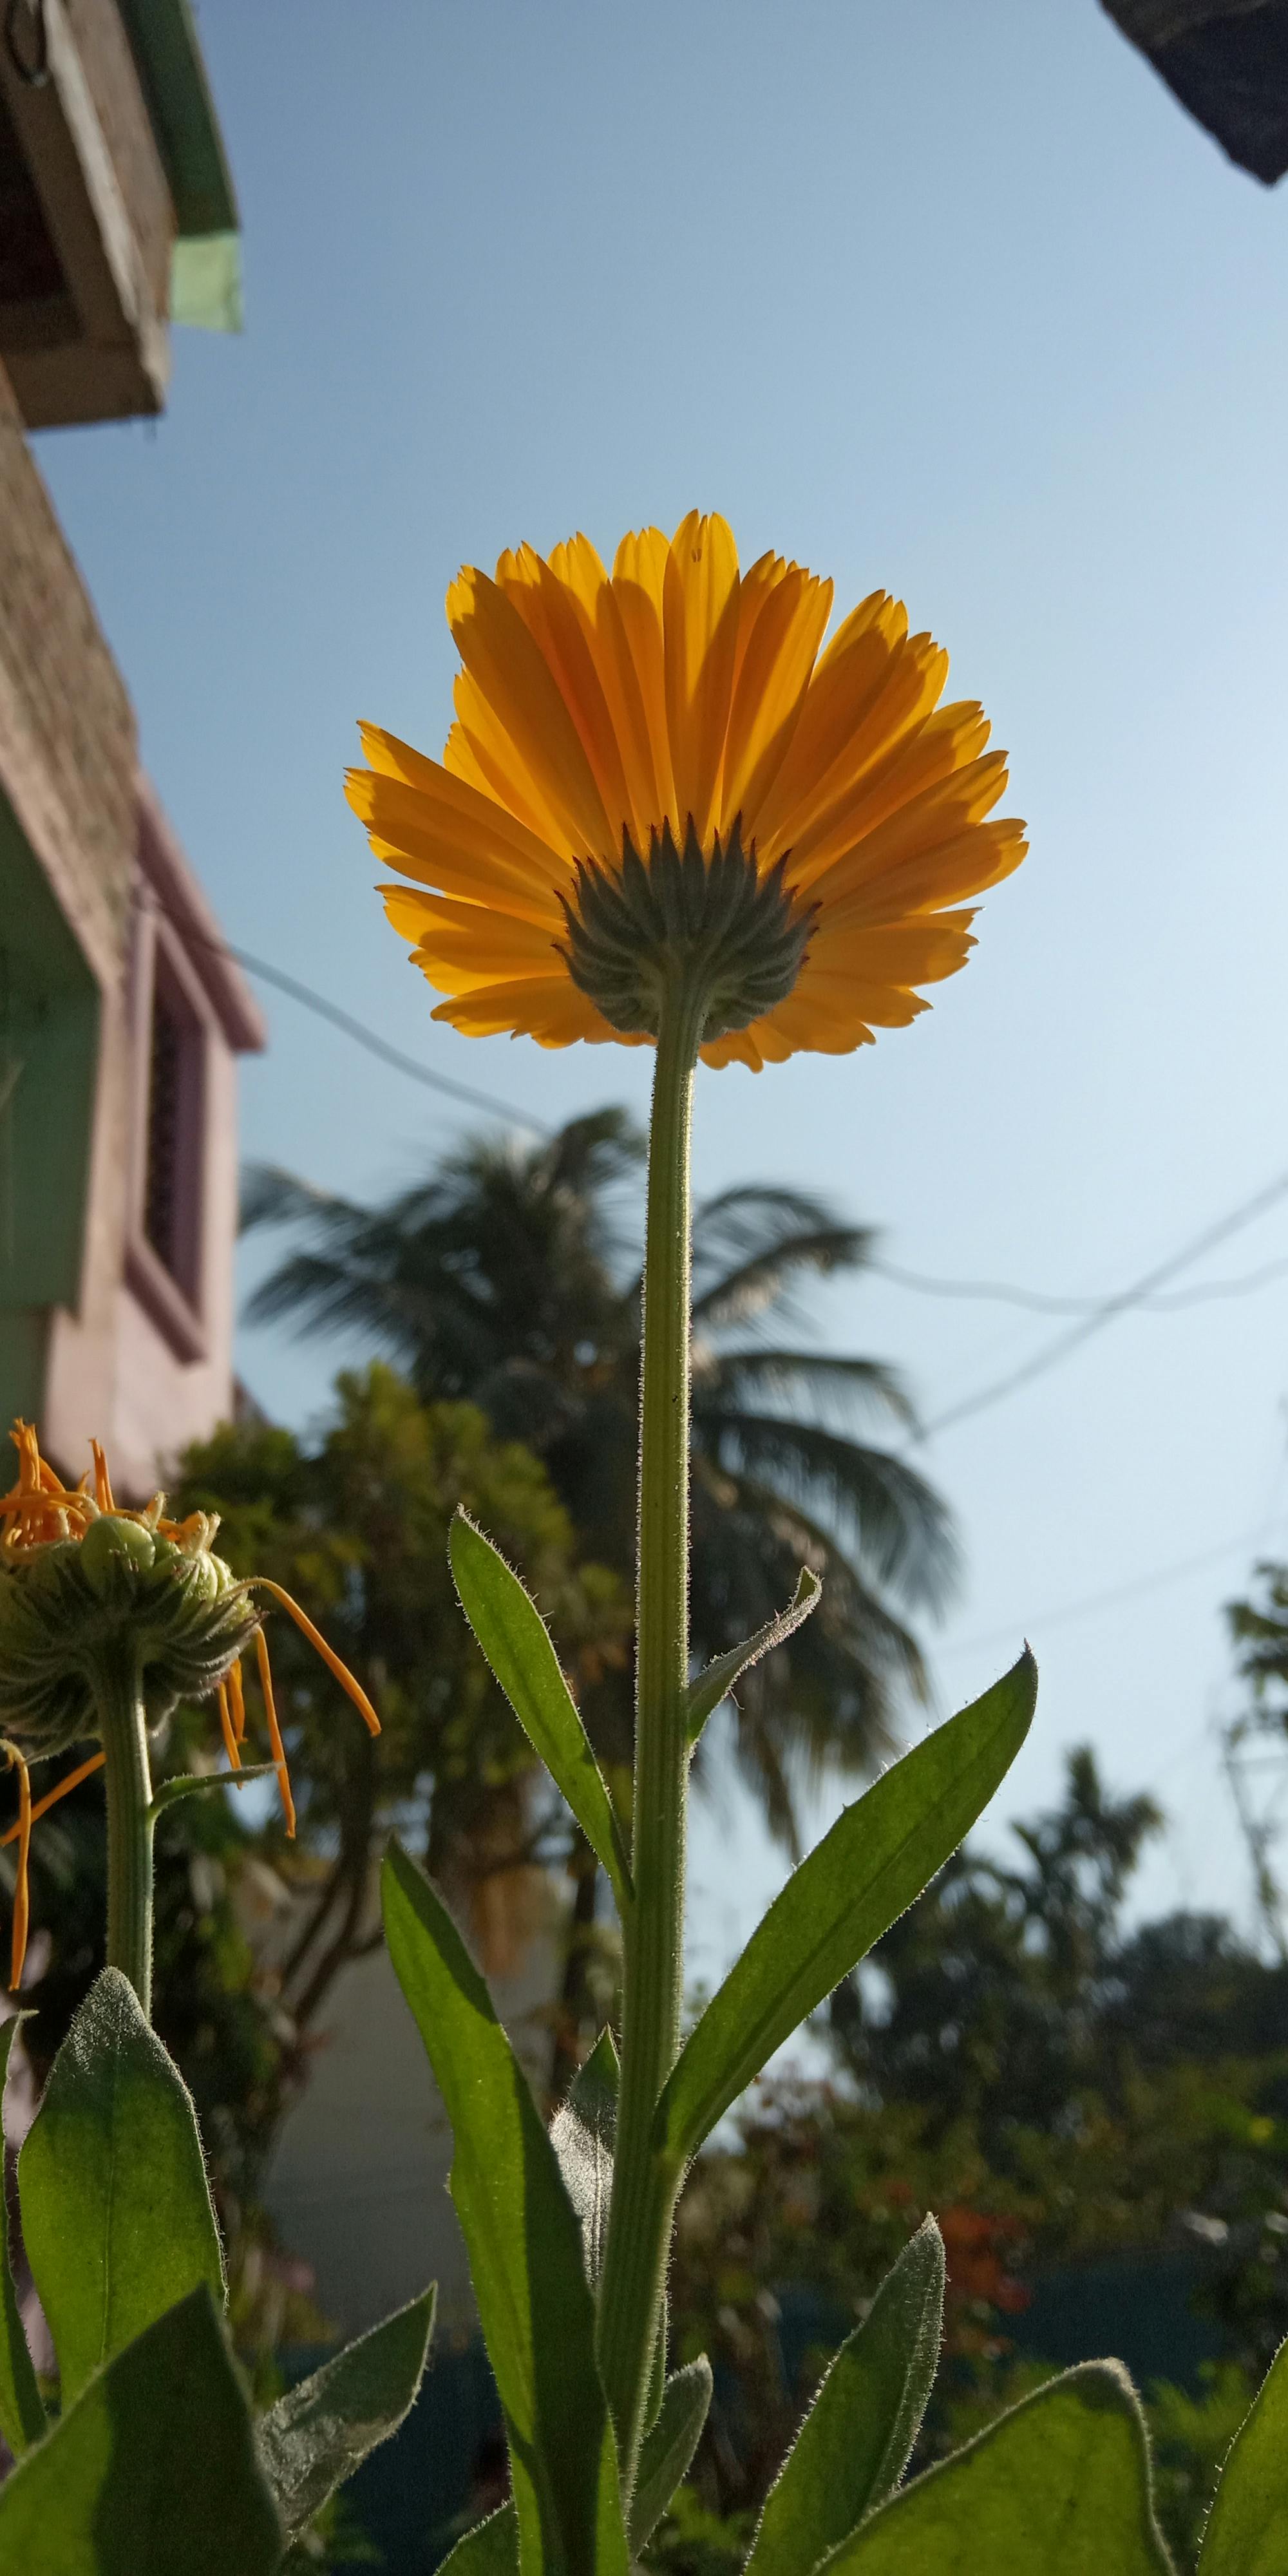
x=737 y=935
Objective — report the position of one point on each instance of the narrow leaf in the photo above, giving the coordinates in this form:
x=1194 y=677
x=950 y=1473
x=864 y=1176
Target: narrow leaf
x=1247 y=2530
x=535 y=2303
x=715 y=1684
x=116 y=2210
x=152 y=2470
x=855 y=2442
x=320 y=2432
x=879 y=1855
x=22 y=2416
x=184 y=1782
x=1057 y=2487
x=669 y=2447
x=490 y=2549
x=514 y=1637
x=583 y=2134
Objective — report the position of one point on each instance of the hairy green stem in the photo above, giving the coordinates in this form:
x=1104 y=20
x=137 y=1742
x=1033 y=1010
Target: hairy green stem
x=128 y=1780
x=644 y=2188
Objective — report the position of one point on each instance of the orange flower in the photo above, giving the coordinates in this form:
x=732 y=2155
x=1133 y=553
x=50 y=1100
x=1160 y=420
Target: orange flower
x=678 y=706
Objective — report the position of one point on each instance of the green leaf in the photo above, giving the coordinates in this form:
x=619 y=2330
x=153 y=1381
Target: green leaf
x=116 y=2212
x=22 y=2416
x=152 y=2471
x=669 y=2446
x=320 y=2432
x=184 y=1782
x=490 y=2549
x=715 y=1684
x=879 y=1855
x=1247 y=2529
x=516 y=1642
x=1057 y=2487
x=583 y=2134
x=854 y=2444
x=535 y=2303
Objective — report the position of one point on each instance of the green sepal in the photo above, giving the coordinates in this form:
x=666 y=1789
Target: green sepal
x=22 y=2416
x=152 y=2471
x=668 y=2447
x=1247 y=2529
x=583 y=2134
x=857 y=2438
x=535 y=2303
x=321 y=2431
x=517 y=1643
x=879 y=1855
x=116 y=2211
x=184 y=1782
x=490 y=2549
x=1059 y=2486
x=715 y=1684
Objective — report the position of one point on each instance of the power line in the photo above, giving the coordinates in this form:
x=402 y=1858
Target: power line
x=1118 y=1592
x=1039 y=1301
x=1108 y=1309
x=359 y=1031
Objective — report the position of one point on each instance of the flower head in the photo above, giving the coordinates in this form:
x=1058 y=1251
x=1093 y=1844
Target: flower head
x=82 y=1578
x=623 y=742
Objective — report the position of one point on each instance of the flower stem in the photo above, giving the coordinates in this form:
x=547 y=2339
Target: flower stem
x=644 y=2187
x=128 y=1779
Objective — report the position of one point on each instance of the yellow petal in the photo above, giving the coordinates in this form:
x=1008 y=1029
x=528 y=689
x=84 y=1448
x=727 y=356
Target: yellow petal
x=769 y=691
x=639 y=580
x=464 y=847
x=501 y=654
x=700 y=626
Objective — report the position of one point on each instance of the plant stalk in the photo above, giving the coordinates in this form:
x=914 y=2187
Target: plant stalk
x=128 y=1779
x=644 y=2188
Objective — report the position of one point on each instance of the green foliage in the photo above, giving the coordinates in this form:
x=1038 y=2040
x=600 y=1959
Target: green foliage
x=152 y=2469
x=517 y=1644
x=1247 y=2534
x=668 y=2447
x=490 y=2549
x=525 y=2249
x=876 y=1859
x=715 y=1684
x=855 y=2443
x=323 y=2429
x=1058 y=2487
x=22 y=2416
x=582 y=2134
x=116 y=2207
x=693 y=2541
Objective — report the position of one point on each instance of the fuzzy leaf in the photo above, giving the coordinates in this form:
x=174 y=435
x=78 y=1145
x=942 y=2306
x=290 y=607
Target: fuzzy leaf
x=152 y=2470
x=22 y=2416
x=583 y=2133
x=669 y=2446
x=514 y=1637
x=320 y=2432
x=1057 y=2487
x=116 y=2210
x=1247 y=2530
x=855 y=2442
x=490 y=2549
x=534 y=2301
x=715 y=1684
x=879 y=1855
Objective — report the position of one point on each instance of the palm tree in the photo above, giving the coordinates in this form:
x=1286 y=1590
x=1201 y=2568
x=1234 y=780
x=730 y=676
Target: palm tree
x=511 y=1276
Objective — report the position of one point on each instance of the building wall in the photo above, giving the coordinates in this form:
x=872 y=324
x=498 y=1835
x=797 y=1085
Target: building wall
x=96 y=904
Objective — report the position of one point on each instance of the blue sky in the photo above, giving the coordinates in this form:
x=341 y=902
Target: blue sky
x=950 y=300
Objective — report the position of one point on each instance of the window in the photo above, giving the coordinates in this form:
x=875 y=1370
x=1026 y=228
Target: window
x=172 y=1152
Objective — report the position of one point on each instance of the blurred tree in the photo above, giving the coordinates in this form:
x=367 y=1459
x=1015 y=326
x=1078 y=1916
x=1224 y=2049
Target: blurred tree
x=510 y=1277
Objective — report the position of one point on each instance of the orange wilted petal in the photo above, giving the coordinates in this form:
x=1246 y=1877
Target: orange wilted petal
x=102 y=1480
x=52 y=1796
x=238 y=1699
x=230 y=1735
x=332 y=1661
x=21 y=1890
x=275 y=1732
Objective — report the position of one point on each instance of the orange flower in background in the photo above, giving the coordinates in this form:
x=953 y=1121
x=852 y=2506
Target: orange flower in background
x=81 y=1574
x=657 y=734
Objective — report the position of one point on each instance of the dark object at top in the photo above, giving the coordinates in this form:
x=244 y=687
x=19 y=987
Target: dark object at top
x=1227 y=62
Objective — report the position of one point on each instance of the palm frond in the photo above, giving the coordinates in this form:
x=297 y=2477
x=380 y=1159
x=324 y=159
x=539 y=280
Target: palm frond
x=750 y=1243
x=896 y=1523
x=730 y=1378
